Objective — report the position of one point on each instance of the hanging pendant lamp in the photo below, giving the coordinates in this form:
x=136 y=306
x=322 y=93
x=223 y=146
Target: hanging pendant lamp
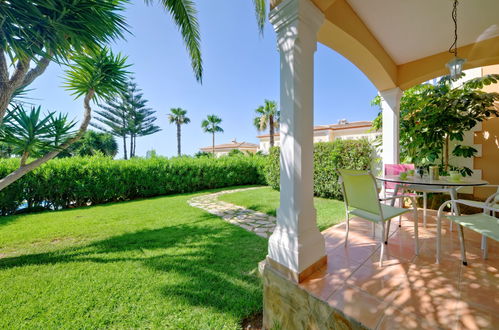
x=455 y=66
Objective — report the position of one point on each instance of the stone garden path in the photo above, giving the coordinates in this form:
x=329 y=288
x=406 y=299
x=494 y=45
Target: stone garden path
x=257 y=222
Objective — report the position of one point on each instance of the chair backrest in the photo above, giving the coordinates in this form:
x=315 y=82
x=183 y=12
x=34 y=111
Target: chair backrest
x=396 y=169
x=359 y=190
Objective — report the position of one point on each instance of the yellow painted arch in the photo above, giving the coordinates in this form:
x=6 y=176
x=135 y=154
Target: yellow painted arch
x=345 y=32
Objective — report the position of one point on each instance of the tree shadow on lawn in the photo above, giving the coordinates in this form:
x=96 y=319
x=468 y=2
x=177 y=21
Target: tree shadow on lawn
x=6 y=219
x=213 y=264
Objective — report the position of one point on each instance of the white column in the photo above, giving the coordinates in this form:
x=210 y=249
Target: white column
x=390 y=105
x=296 y=243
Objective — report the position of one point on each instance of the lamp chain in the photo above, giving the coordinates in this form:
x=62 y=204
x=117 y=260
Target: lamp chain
x=453 y=47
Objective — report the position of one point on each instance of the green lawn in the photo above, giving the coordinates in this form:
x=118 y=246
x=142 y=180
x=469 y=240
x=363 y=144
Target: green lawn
x=155 y=263
x=266 y=200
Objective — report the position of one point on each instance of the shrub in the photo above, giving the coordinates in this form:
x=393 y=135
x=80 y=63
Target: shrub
x=328 y=157
x=78 y=181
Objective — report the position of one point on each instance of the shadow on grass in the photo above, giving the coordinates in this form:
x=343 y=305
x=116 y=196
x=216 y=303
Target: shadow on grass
x=214 y=264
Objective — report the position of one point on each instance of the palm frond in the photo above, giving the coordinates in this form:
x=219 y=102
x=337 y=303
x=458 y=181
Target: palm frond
x=101 y=71
x=184 y=14
x=260 y=13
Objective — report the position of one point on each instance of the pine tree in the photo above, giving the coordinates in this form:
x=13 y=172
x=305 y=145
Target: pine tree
x=127 y=117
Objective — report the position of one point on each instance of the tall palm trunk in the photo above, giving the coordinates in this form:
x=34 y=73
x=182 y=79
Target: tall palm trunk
x=271 y=130
x=178 y=140
x=23 y=170
x=124 y=146
x=213 y=144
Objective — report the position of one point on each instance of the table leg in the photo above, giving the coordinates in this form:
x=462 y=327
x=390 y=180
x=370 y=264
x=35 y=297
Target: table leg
x=392 y=203
x=455 y=207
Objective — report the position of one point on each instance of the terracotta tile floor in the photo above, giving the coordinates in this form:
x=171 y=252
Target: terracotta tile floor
x=409 y=291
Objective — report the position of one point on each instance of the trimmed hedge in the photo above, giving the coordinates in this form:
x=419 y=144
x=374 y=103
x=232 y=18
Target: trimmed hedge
x=77 y=181
x=328 y=156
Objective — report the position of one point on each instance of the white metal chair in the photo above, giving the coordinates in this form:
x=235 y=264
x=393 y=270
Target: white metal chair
x=484 y=223
x=361 y=200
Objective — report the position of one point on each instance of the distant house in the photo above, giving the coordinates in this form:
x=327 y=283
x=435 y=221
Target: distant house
x=326 y=133
x=224 y=149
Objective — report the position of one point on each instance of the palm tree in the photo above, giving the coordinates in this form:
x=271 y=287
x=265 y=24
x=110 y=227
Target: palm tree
x=211 y=125
x=95 y=75
x=66 y=28
x=267 y=116
x=63 y=29
x=178 y=116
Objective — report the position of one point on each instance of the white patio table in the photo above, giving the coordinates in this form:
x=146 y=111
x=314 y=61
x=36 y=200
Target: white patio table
x=443 y=185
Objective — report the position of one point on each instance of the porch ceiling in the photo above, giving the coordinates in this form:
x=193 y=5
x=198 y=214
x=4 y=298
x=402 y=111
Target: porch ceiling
x=402 y=43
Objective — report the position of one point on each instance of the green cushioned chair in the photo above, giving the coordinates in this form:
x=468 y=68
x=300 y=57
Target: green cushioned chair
x=484 y=223
x=361 y=199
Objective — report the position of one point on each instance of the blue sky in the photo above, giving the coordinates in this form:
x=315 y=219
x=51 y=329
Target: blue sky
x=241 y=69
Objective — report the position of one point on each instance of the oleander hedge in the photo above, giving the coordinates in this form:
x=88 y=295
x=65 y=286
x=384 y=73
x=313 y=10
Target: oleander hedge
x=77 y=181
x=328 y=156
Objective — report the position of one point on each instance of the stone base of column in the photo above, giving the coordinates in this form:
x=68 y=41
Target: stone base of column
x=293 y=275
x=288 y=306
x=297 y=254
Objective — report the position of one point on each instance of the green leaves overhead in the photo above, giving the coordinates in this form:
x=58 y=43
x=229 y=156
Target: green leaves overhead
x=59 y=28
x=184 y=14
x=101 y=71
x=260 y=13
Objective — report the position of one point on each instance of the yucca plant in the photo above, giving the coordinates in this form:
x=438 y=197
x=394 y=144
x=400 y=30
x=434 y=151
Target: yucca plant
x=31 y=133
x=97 y=75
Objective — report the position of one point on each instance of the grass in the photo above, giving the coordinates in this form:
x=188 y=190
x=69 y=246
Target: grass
x=155 y=263
x=266 y=200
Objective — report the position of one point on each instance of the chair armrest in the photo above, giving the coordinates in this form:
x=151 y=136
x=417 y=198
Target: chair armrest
x=396 y=197
x=483 y=205
x=490 y=200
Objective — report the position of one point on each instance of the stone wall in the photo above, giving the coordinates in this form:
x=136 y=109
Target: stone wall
x=287 y=306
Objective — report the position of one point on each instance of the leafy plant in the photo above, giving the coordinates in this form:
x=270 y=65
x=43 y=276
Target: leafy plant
x=93 y=144
x=77 y=181
x=433 y=116
x=328 y=157
x=235 y=153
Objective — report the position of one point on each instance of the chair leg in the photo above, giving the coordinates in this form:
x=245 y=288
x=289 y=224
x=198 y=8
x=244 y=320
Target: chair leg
x=348 y=229
x=461 y=241
x=439 y=233
x=416 y=229
x=374 y=229
x=387 y=231
x=485 y=250
x=382 y=252
x=425 y=206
